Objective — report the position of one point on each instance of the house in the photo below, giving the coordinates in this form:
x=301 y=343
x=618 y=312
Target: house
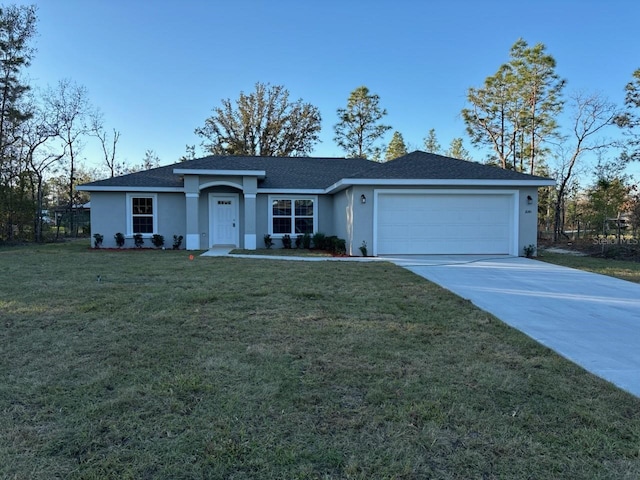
x=420 y=203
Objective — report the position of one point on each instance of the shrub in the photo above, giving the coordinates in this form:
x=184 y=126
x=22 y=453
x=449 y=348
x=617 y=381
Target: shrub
x=97 y=240
x=268 y=241
x=138 y=240
x=157 y=240
x=319 y=240
x=306 y=241
x=530 y=250
x=363 y=248
x=335 y=245
x=119 y=239
x=286 y=241
x=298 y=241
x=177 y=241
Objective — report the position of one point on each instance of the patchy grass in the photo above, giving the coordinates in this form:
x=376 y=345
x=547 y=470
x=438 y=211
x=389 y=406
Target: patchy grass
x=623 y=269
x=242 y=368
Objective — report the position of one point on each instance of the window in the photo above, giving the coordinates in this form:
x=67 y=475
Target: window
x=142 y=216
x=293 y=216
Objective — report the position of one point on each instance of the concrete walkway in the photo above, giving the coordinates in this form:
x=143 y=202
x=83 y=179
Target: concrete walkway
x=593 y=320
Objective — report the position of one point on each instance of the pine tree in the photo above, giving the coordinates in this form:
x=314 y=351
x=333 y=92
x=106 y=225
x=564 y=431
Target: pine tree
x=359 y=126
x=431 y=144
x=396 y=147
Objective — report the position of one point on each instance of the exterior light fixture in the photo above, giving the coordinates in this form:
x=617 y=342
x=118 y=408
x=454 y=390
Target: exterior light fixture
x=529 y=200
x=363 y=199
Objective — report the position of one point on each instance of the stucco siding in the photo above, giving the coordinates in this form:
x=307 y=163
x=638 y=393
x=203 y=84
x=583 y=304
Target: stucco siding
x=108 y=216
x=528 y=219
x=171 y=217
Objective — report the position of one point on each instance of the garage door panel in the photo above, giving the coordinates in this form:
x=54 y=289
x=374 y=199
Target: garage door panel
x=444 y=223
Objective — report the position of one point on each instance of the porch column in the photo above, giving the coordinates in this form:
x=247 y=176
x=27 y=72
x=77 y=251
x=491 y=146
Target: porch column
x=191 y=216
x=250 y=221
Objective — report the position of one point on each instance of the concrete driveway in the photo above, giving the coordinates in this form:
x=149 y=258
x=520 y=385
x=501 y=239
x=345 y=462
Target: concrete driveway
x=591 y=319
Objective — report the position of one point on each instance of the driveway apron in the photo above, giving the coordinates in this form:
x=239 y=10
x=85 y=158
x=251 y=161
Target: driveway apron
x=590 y=319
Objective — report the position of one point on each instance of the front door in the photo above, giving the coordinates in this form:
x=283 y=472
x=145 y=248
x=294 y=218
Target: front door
x=224 y=220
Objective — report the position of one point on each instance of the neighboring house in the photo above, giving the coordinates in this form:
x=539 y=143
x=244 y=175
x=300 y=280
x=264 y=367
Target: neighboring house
x=420 y=203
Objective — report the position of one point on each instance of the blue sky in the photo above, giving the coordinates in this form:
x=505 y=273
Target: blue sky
x=156 y=68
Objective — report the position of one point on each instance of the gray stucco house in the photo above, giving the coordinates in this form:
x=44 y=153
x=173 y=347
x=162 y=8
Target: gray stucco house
x=420 y=203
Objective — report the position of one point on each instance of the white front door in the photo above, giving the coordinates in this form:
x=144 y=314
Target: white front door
x=223 y=219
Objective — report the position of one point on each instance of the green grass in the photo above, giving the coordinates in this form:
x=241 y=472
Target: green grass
x=255 y=369
x=623 y=269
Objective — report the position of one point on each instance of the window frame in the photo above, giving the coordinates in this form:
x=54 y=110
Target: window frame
x=130 y=214
x=292 y=199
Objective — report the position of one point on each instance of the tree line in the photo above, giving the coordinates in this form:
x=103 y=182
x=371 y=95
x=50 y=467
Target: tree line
x=520 y=115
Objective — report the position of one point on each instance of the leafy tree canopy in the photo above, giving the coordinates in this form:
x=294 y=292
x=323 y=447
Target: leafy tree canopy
x=264 y=122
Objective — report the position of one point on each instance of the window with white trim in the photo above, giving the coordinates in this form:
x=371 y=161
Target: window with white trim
x=142 y=214
x=293 y=215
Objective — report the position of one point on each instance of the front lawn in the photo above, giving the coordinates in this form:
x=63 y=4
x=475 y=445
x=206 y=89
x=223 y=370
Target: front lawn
x=623 y=269
x=145 y=364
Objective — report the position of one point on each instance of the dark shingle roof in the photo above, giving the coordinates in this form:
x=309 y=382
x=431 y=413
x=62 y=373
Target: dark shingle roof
x=422 y=165
x=319 y=173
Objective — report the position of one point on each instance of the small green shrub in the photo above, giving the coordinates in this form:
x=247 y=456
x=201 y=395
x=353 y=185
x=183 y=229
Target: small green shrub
x=268 y=241
x=119 y=237
x=530 y=250
x=306 y=241
x=97 y=240
x=286 y=241
x=298 y=241
x=319 y=240
x=157 y=240
x=363 y=249
x=138 y=240
x=177 y=241
x=335 y=245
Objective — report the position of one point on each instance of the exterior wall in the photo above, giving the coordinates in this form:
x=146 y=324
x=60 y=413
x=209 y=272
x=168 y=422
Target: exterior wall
x=528 y=216
x=171 y=217
x=354 y=220
x=326 y=223
x=262 y=218
x=109 y=216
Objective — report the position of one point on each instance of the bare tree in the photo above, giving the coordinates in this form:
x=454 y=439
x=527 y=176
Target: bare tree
x=591 y=114
x=36 y=134
x=108 y=141
x=71 y=110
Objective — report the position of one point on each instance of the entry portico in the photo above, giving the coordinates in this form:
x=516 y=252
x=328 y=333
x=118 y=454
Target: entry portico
x=226 y=219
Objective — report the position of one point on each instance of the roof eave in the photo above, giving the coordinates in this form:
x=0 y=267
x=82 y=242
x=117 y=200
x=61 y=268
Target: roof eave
x=125 y=188
x=437 y=182
x=227 y=173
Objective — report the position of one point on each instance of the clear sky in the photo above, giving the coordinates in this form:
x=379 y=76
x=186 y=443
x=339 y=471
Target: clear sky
x=156 y=68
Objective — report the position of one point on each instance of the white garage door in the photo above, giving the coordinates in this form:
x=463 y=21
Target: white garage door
x=446 y=223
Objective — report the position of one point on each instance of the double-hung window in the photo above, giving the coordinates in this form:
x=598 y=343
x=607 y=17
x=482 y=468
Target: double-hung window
x=293 y=215
x=142 y=214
